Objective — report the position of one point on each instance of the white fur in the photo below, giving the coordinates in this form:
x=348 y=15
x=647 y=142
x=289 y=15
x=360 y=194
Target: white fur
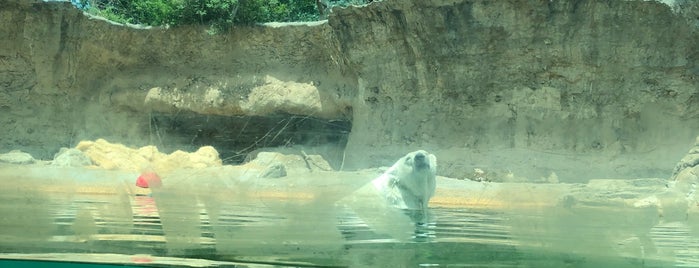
x=409 y=184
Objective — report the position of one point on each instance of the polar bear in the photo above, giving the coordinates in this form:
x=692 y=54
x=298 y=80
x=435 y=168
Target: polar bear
x=410 y=182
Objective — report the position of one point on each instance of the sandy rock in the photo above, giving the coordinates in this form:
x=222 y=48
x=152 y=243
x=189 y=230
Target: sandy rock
x=117 y=156
x=318 y=162
x=271 y=165
x=680 y=196
x=275 y=165
x=269 y=158
x=276 y=170
x=17 y=157
x=479 y=175
x=71 y=157
x=688 y=161
x=687 y=178
x=552 y=178
x=285 y=96
x=268 y=96
x=687 y=170
x=206 y=156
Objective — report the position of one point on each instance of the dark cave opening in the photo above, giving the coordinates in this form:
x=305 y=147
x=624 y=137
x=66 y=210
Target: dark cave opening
x=236 y=137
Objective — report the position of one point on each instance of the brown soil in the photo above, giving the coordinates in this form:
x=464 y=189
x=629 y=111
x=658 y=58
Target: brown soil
x=565 y=89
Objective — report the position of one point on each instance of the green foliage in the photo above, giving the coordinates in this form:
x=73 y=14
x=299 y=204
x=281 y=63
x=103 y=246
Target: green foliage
x=253 y=11
x=148 y=12
x=152 y=12
x=218 y=14
x=109 y=13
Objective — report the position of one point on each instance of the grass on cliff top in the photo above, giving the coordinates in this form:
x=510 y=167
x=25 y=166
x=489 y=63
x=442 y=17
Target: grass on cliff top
x=218 y=14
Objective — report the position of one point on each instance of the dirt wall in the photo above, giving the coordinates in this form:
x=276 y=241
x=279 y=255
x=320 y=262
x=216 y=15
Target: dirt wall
x=579 y=84
x=517 y=88
x=67 y=76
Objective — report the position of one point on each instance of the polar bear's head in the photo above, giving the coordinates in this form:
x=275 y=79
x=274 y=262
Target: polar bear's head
x=420 y=160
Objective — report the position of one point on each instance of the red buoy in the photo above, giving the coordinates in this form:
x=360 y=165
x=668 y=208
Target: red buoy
x=149 y=179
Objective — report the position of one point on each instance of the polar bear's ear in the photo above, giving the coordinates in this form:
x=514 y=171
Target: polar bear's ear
x=408 y=160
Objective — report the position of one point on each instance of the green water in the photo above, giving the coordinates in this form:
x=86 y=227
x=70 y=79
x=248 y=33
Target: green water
x=214 y=226
x=54 y=264
x=453 y=238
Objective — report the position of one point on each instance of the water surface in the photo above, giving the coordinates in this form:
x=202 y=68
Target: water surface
x=256 y=226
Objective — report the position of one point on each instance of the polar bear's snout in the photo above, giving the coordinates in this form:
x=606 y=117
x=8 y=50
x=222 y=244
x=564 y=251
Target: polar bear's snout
x=420 y=161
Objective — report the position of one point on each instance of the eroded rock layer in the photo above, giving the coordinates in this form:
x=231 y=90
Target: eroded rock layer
x=583 y=88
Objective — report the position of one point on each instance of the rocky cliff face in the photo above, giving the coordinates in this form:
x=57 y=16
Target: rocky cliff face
x=67 y=77
x=571 y=77
x=580 y=88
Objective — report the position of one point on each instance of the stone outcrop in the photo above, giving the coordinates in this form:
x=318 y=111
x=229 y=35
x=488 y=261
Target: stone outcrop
x=114 y=156
x=574 y=84
x=275 y=165
x=17 y=157
x=71 y=157
x=685 y=176
x=689 y=163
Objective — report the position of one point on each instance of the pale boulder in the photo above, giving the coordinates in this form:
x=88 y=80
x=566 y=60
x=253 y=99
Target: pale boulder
x=108 y=155
x=17 y=157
